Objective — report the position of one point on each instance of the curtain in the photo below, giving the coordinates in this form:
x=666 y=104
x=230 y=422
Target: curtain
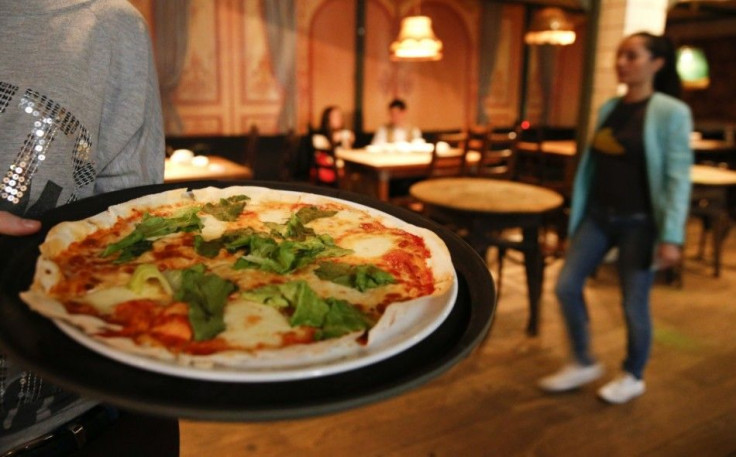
x=172 y=34
x=281 y=31
x=547 y=59
x=490 y=32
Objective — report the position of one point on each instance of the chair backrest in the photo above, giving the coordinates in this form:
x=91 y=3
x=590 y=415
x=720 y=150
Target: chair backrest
x=531 y=161
x=498 y=156
x=448 y=160
x=453 y=139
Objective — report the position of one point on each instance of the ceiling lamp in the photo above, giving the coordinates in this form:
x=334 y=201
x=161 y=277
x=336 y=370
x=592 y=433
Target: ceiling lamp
x=550 y=26
x=416 y=42
x=692 y=68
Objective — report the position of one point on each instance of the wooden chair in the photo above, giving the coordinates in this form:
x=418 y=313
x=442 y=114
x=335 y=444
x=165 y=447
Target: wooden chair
x=498 y=156
x=444 y=163
x=531 y=162
x=499 y=161
x=447 y=163
x=534 y=166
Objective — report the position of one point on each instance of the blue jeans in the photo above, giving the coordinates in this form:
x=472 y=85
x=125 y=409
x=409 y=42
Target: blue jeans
x=635 y=237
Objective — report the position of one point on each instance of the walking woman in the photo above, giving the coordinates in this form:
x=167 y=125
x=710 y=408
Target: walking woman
x=631 y=191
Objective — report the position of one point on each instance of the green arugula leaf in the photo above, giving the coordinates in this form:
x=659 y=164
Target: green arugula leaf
x=268 y=295
x=295 y=228
x=207 y=249
x=308 y=308
x=228 y=209
x=134 y=251
x=309 y=213
x=145 y=273
x=139 y=240
x=343 y=318
x=206 y=295
x=281 y=258
x=332 y=317
x=360 y=277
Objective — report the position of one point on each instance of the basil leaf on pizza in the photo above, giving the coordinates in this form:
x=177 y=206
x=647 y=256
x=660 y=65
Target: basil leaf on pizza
x=206 y=295
x=341 y=319
x=228 y=209
x=242 y=277
x=331 y=316
x=139 y=240
x=286 y=256
x=361 y=277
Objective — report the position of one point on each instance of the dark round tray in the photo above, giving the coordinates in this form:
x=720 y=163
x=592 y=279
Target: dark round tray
x=39 y=345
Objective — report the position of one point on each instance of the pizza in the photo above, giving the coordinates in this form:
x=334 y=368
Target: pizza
x=243 y=276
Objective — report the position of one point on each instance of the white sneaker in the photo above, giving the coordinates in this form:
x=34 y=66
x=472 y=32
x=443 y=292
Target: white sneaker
x=622 y=389
x=571 y=376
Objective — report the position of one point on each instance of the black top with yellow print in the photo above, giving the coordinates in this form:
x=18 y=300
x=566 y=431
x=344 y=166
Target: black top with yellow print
x=620 y=182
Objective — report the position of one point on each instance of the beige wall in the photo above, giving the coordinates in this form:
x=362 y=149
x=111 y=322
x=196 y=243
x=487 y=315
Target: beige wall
x=228 y=83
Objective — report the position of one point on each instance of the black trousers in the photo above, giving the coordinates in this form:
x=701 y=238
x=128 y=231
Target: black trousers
x=109 y=432
x=135 y=435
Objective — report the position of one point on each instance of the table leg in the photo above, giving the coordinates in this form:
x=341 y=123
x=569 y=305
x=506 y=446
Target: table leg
x=534 y=265
x=720 y=231
x=383 y=186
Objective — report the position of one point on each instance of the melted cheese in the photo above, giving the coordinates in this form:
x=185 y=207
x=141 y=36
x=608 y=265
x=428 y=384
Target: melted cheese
x=105 y=300
x=250 y=324
x=276 y=215
x=212 y=227
x=368 y=246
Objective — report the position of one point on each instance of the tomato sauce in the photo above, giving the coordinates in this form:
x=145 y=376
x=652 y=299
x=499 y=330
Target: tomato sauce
x=290 y=338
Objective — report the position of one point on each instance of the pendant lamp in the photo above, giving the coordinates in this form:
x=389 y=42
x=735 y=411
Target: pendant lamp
x=550 y=26
x=416 y=41
x=692 y=67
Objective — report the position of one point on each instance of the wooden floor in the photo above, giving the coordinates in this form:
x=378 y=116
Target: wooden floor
x=488 y=405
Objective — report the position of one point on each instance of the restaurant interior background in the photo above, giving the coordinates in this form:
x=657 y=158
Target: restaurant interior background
x=227 y=66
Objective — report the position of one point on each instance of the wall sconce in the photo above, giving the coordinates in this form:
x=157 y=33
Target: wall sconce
x=692 y=67
x=550 y=26
x=416 y=41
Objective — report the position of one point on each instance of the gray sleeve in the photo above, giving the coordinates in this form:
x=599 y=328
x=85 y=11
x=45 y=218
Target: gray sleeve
x=131 y=138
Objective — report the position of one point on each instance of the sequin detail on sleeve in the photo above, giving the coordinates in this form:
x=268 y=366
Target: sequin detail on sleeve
x=48 y=119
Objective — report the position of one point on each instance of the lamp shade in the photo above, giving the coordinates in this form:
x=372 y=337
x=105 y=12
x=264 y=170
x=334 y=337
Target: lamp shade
x=416 y=42
x=550 y=26
x=692 y=67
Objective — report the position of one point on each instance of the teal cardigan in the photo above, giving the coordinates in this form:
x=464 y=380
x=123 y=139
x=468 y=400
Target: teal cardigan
x=667 y=127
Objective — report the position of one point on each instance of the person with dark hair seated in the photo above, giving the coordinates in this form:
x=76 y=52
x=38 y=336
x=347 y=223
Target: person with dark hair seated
x=331 y=134
x=397 y=129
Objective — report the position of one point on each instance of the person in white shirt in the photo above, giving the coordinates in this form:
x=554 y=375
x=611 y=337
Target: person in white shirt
x=397 y=130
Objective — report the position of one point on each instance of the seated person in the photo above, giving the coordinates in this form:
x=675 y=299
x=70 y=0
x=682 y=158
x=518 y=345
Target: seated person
x=332 y=127
x=332 y=134
x=397 y=130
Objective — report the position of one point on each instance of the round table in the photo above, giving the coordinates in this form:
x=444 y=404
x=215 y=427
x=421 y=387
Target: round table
x=484 y=206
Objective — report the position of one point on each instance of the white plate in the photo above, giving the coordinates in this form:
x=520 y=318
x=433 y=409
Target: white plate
x=416 y=325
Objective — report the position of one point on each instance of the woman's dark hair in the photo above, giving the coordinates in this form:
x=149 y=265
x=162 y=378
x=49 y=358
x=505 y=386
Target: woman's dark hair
x=666 y=80
x=324 y=125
